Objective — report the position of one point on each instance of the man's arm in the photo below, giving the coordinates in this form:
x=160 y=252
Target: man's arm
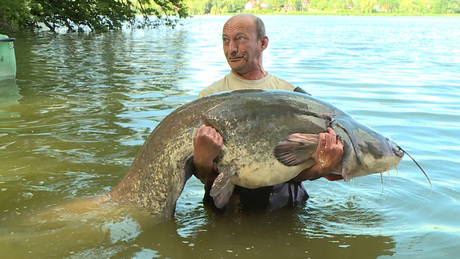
x=207 y=144
x=328 y=157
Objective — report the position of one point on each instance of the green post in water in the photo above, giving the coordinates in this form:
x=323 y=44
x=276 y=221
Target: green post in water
x=7 y=58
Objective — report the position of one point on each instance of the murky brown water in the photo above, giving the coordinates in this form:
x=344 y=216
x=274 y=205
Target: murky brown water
x=82 y=105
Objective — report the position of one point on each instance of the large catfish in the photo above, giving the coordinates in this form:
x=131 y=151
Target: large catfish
x=269 y=137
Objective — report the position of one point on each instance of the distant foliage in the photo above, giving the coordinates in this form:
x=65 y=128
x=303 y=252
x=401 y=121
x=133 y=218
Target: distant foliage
x=103 y=15
x=94 y=15
x=201 y=7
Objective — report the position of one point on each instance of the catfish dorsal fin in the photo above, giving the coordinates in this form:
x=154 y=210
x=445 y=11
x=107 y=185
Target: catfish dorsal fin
x=296 y=149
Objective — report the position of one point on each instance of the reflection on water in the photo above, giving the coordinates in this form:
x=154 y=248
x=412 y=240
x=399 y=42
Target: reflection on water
x=111 y=231
x=82 y=105
x=9 y=96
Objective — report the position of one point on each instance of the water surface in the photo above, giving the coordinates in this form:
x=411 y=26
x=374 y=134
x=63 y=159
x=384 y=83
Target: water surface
x=83 y=104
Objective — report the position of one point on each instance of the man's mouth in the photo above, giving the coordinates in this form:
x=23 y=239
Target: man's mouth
x=236 y=59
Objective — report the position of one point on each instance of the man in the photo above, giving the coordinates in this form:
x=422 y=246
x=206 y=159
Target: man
x=244 y=41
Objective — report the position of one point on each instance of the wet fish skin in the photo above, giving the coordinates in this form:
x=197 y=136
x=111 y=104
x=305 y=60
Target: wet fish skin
x=252 y=123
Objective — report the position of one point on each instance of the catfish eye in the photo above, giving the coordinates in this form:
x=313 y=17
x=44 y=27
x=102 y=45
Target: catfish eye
x=327 y=119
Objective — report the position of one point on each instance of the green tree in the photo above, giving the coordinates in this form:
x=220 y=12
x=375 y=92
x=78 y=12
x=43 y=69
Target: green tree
x=390 y=6
x=409 y=6
x=214 y=10
x=96 y=15
x=440 y=6
x=234 y=6
x=199 y=7
x=447 y=6
x=298 y=5
x=14 y=13
x=367 y=6
x=422 y=6
x=338 y=4
x=454 y=6
x=319 y=4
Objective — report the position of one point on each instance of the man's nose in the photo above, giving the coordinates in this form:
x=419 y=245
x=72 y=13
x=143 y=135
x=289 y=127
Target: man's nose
x=233 y=48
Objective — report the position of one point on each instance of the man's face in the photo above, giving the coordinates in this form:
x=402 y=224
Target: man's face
x=241 y=47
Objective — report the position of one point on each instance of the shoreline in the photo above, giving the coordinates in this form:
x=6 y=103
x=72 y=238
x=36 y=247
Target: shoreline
x=333 y=13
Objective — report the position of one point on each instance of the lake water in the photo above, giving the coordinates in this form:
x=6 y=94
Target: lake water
x=83 y=104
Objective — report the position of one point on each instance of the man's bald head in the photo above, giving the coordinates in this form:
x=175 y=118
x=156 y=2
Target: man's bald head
x=258 y=23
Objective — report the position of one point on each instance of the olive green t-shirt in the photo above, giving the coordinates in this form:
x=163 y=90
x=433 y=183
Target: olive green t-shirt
x=231 y=82
x=272 y=197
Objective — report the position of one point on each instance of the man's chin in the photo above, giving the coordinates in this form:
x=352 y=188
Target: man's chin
x=237 y=69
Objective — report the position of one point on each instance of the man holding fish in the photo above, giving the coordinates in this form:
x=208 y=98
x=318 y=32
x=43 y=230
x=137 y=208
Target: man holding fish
x=244 y=41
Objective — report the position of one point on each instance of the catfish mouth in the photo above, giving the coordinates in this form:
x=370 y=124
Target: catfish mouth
x=334 y=177
x=398 y=151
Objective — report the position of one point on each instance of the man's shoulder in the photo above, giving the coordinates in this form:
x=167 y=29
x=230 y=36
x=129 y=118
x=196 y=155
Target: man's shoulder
x=231 y=82
x=282 y=84
x=215 y=87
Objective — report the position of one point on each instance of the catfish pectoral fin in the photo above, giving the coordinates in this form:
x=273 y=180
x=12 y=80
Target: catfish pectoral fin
x=296 y=149
x=222 y=198
x=222 y=189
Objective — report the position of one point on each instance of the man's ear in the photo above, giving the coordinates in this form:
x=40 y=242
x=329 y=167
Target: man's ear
x=264 y=43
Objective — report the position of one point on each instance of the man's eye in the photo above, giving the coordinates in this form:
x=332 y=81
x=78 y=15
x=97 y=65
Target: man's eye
x=240 y=38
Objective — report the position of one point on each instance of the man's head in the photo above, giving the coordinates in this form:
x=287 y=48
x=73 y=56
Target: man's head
x=244 y=40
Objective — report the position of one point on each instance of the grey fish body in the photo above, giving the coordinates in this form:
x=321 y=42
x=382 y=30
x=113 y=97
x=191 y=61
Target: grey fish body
x=252 y=123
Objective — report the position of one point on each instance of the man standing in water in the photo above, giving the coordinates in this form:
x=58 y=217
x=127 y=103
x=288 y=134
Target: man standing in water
x=244 y=41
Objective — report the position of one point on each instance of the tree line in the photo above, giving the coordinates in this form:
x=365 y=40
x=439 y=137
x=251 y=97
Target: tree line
x=103 y=15
x=201 y=7
x=94 y=15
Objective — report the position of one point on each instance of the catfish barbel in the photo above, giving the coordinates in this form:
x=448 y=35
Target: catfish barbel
x=262 y=147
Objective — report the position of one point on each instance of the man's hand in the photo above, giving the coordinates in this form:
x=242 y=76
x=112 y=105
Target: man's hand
x=328 y=157
x=207 y=144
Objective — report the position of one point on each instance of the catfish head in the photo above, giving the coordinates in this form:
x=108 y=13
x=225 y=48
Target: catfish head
x=365 y=150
